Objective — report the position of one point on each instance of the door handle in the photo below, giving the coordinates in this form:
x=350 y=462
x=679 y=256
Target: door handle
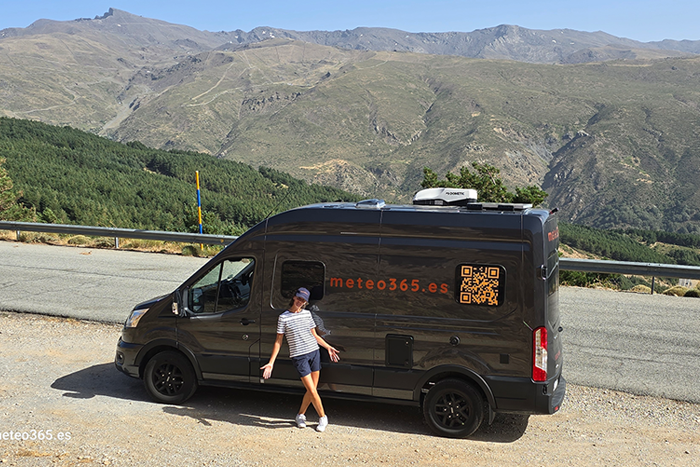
x=246 y=321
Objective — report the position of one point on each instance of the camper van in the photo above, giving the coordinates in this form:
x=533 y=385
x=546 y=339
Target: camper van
x=448 y=304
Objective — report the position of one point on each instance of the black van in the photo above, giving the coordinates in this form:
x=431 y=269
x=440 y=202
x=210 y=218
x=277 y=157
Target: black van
x=453 y=308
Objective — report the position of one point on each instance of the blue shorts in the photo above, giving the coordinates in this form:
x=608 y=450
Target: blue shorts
x=307 y=363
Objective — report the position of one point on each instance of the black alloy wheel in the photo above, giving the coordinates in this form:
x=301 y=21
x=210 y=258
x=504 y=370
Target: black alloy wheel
x=453 y=408
x=169 y=378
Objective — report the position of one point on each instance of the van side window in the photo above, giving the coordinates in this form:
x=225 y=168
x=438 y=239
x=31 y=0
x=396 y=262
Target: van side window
x=225 y=287
x=309 y=274
x=553 y=272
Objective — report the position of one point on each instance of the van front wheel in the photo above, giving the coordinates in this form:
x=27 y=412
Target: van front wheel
x=170 y=378
x=453 y=408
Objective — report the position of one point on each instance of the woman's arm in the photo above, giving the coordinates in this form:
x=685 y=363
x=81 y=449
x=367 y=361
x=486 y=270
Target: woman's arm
x=275 y=350
x=333 y=353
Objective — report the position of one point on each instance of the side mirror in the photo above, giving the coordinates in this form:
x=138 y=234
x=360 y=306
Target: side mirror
x=177 y=300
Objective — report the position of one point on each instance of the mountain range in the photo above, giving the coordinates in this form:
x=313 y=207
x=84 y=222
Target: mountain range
x=608 y=126
x=504 y=42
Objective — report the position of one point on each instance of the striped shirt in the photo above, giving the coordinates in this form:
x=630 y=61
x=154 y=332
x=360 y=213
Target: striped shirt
x=297 y=327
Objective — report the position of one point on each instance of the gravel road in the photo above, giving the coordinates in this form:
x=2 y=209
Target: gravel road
x=631 y=342
x=57 y=375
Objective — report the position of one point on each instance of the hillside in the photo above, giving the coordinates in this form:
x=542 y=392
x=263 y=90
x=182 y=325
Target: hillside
x=69 y=176
x=614 y=143
x=636 y=245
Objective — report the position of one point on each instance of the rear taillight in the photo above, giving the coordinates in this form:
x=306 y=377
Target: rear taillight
x=539 y=354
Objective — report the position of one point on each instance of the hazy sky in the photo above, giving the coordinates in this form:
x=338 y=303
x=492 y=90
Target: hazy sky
x=642 y=20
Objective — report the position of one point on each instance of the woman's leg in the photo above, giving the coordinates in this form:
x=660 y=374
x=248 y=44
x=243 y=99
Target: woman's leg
x=311 y=396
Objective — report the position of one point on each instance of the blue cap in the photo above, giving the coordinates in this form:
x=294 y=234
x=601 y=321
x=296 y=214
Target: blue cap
x=303 y=293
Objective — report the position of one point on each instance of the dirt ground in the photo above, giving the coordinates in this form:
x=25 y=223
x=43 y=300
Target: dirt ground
x=58 y=381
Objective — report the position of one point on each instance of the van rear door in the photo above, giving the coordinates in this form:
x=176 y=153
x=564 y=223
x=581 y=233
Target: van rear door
x=553 y=318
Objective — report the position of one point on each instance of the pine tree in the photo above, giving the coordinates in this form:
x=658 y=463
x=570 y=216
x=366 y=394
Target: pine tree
x=10 y=208
x=488 y=184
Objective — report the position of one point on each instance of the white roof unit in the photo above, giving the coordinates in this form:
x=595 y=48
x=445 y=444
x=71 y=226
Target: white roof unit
x=445 y=197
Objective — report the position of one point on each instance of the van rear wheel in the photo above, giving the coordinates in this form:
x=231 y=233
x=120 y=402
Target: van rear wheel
x=453 y=408
x=170 y=378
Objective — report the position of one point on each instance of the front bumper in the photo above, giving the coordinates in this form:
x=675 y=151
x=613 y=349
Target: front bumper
x=125 y=358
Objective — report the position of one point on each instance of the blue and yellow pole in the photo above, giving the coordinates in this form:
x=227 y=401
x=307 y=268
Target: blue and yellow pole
x=199 y=207
x=199 y=203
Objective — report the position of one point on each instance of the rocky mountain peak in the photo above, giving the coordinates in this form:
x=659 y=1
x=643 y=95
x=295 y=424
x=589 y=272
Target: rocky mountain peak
x=109 y=13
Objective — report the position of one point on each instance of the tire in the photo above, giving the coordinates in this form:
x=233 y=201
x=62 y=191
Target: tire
x=170 y=378
x=453 y=408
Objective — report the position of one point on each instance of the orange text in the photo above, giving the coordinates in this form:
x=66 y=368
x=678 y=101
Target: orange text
x=392 y=284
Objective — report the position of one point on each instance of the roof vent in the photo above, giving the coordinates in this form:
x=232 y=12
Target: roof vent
x=370 y=204
x=445 y=197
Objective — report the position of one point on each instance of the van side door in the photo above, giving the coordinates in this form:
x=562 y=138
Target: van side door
x=332 y=253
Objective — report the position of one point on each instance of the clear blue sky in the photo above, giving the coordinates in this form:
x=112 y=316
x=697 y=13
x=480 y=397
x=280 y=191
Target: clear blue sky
x=642 y=20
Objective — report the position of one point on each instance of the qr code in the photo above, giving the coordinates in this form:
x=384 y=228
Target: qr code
x=481 y=285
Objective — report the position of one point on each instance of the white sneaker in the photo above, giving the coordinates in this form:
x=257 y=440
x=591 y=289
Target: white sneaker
x=322 y=423
x=301 y=420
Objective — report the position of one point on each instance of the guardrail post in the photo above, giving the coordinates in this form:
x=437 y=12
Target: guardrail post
x=116 y=243
x=18 y=235
x=652 y=284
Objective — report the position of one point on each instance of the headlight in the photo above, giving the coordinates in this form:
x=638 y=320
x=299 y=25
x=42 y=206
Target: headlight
x=133 y=319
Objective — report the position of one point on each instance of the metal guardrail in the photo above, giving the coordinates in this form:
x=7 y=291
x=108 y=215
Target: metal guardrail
x=566 y=264
x=181 y=237
x=624 y=267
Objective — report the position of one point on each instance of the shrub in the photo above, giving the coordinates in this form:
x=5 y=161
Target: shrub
x=641 y=289
x=191 y=250
x=38 y=237
x=78 y=240
x=587 y=279
x=141 y=244
x=692 y=293
x=677 y=290
x=104 y=243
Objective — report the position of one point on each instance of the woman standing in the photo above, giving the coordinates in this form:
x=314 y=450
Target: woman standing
x=298 y=326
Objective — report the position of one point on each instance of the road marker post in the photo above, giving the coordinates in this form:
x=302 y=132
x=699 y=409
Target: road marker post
x=199 y=208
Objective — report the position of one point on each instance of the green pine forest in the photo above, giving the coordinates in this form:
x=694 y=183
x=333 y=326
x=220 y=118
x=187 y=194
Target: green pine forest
x=64 y=175
x=72 y=177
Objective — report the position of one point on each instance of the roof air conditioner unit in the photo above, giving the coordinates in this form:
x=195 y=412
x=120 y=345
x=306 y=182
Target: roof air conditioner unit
x=445 y=197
